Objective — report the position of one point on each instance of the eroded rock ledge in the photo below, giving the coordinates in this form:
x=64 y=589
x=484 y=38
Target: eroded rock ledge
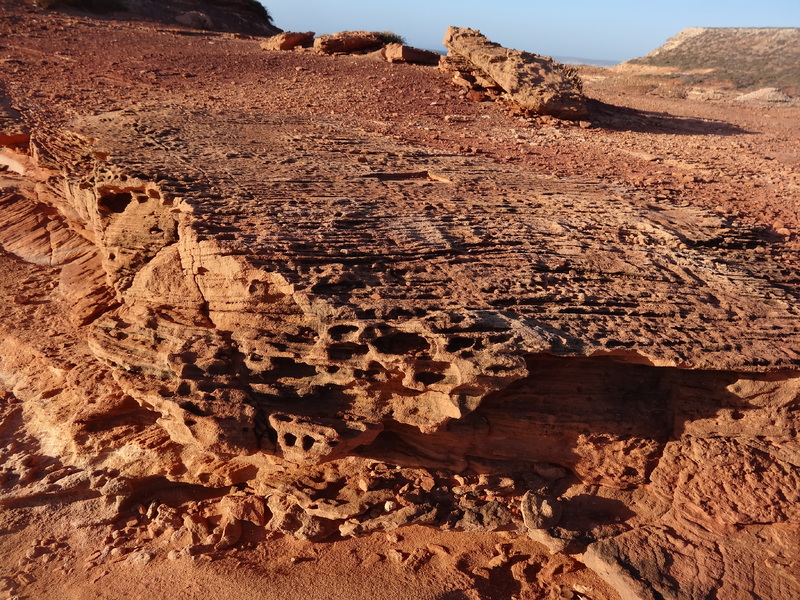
x=336 y=346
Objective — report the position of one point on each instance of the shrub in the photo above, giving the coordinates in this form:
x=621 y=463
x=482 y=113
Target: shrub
x=390 y=37
x=261 y=10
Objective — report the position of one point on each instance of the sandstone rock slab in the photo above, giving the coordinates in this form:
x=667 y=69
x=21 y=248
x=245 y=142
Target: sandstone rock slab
x=409 y=54
x=537 y=84
x=288 y=40
x=347 y=41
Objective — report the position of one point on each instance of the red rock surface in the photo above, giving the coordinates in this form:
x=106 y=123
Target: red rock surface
x=347 y=41
x=286 y=322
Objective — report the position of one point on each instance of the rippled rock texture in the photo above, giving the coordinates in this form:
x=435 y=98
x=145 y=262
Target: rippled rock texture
x=224 y=322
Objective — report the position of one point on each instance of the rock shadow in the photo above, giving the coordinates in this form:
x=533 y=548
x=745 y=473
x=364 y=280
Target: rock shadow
x=589 y=421
x=623 y=118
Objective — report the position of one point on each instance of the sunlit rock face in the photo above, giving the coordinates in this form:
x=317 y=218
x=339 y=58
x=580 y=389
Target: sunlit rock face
x=224 y=322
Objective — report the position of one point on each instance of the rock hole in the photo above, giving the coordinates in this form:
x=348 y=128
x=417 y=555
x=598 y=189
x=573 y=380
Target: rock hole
x=428 y=378
x=282 y=418
x=155 y=230
x=337 y=332
x=308 y=442
x=399 y=313
x=289 y=439
x=192 y=372
x=459 y=343
x=499 y=368
x=290 y=368
x=401 y=343
x=192 y=408
x=115 y=203
x=346 y=350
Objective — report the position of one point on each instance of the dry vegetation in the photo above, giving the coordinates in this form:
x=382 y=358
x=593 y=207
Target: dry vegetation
x=742 y=58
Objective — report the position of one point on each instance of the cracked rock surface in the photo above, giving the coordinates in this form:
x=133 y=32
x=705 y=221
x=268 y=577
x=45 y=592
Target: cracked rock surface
x=297 y=318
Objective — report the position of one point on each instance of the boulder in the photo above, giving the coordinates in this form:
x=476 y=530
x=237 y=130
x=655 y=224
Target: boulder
x=347 y=41
x=402 y=53
x=288 y=40
x=540 y=512
x=535 y=83
x=769 y=94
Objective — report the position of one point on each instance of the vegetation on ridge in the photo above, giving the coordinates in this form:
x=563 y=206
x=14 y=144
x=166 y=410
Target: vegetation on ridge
x=261 y=10
x=746 y=57
x=390 y=37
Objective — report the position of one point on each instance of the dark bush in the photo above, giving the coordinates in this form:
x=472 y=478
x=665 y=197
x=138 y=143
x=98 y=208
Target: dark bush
x=261 y=10
x=390 y=37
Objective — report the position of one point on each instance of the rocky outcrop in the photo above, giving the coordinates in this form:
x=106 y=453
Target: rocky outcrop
x=408 y=54
x=289 y=40
x=536 y=84
x=348 y=41
x=235 y=16
x=256 y=367
x=765 y=95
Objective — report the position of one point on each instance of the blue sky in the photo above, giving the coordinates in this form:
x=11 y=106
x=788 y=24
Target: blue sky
x=610 y=30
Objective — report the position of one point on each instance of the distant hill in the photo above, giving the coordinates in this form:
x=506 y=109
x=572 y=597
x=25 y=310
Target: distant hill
x=236 y=16
x=747 y=57
x=592 y=62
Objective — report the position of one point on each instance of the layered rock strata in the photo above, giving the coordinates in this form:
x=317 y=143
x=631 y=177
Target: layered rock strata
x=298 y=334
x=534 y=83
x=348 y=41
